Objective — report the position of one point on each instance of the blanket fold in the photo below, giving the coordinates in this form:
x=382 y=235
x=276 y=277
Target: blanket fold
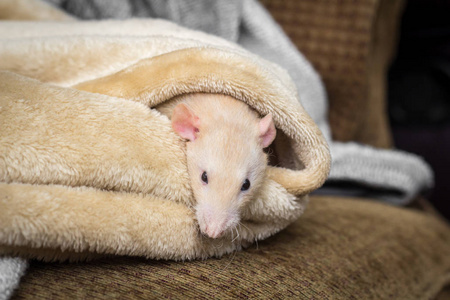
x=88 y=166
x=229 y=73
x=247 y=23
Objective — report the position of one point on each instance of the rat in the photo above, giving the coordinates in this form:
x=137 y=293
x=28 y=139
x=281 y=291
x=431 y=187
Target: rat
x=226 y=163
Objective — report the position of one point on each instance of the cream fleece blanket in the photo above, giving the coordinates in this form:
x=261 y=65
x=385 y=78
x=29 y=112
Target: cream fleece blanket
x=88 y=168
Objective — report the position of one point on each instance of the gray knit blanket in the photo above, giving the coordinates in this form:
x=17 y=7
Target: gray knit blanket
x=392 y=176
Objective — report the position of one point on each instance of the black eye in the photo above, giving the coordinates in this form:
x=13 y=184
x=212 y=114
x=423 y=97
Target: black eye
x=246 y=185
x=204 y=177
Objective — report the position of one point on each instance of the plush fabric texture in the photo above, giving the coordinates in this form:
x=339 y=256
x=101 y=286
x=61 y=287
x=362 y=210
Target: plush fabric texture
x=11 y=269
x=358 y=111
x=84 y=172
x=78 y=170
x=30 y=10
x=339 y=249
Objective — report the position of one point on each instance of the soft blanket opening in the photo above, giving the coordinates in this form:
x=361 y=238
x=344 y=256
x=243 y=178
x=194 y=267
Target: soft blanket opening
x=89 y=167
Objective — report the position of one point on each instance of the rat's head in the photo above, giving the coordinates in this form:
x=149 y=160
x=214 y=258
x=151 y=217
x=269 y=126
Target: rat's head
x=225 y=160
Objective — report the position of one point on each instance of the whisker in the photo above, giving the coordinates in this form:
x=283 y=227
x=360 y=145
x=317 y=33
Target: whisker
x=232 y=235
x=254 y=236
x=202 y=243
x=231 y=260
x=237 y=233
x=242 y=224
x=219 y=246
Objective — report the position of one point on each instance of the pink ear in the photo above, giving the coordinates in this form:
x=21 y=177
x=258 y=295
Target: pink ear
x=185 y=122
x=267 y=131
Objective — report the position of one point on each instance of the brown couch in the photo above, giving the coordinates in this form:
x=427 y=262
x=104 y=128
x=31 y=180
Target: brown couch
x=341 y=248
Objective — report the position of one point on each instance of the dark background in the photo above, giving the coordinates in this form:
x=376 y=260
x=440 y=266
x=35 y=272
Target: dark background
x=419 y=91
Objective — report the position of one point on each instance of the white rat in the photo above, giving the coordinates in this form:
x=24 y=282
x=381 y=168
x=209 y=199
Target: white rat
x=225 y=158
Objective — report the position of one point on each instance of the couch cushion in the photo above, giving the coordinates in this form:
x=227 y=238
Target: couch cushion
x=340 y=248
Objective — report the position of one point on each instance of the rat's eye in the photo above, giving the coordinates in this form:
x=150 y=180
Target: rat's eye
x=204 y=177
x=246 y=185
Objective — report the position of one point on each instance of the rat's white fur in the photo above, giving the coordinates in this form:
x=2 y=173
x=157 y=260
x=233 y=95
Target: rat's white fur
x=226 y=140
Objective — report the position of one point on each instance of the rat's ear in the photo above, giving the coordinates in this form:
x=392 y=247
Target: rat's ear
x=267 y=131
x=185 y=122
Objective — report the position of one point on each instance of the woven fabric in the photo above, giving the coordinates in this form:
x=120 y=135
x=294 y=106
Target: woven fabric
x=339 y=249
x=337 y=37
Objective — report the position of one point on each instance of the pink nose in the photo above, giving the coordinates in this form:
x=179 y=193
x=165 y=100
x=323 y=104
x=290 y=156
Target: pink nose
x=212 y=224
x=215 y=222
x=214 y=230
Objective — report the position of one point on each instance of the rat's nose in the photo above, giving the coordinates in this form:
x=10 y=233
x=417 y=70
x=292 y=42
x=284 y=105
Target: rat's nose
x=215 y=222
x=212 y=224
x=214 y=231
x=214 y=228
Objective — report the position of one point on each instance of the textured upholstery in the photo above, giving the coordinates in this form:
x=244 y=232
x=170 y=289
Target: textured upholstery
x=350 y=43
x=339 y=249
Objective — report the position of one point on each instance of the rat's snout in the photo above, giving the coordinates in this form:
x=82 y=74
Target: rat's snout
x=214 y=224
x=214 y=230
